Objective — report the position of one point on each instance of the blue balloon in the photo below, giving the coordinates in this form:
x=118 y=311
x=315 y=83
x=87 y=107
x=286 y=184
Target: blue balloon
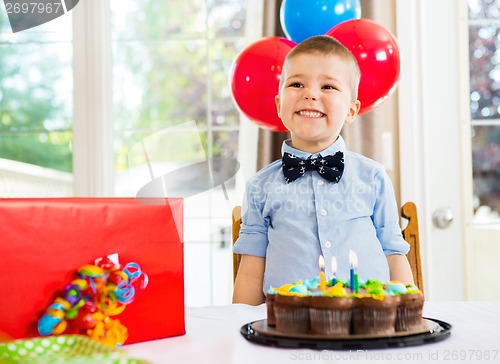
x=301 y=19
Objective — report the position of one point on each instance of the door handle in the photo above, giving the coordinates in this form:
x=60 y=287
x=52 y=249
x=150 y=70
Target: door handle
x=442 y=218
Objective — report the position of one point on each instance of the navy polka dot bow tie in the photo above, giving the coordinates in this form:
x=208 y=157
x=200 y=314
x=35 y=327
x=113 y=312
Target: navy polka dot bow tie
x=330 y=167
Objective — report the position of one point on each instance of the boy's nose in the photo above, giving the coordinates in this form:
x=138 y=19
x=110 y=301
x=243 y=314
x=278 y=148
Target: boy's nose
x=310 y=95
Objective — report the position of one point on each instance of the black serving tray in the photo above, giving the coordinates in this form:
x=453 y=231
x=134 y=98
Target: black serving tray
x=258 y=332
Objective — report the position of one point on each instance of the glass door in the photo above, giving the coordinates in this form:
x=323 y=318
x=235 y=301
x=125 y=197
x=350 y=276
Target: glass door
x=484 y=57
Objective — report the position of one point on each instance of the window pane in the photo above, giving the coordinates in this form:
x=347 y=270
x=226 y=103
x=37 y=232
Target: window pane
x=153 y=19
x=36 y=102
x=486 y=169
x=144 y=156
x=46 y=149
x=227 y=18
x=484 y=71
x=225 y=154
x=222 y=54
x=482 y=9
x=36 y=109
x=158 y=84
x=226 y=144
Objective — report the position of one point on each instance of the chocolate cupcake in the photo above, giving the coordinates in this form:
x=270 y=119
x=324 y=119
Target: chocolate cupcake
x=409 y=313
x=271 y=318
x=375 y=315
x=375 y=310
x=330 y=314
x=292 y=313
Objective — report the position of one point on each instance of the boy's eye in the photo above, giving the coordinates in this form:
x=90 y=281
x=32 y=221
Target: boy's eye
x=296 y=84
x=329 y=87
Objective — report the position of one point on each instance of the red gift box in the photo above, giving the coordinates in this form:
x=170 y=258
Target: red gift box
x=43 y=242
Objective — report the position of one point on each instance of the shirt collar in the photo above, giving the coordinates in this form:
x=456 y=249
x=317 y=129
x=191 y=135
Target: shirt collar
x=338 y=145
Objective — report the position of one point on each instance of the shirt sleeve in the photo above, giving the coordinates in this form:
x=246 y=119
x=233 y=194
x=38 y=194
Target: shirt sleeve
x=253 y=238
x=386 y=217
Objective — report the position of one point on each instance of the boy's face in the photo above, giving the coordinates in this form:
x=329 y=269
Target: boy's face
x=314 y=101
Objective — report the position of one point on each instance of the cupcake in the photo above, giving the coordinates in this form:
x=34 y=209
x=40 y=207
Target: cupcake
x=291 y=309
x=409 y=311
x=375 y=311
x=270 y=296
x=330 y=312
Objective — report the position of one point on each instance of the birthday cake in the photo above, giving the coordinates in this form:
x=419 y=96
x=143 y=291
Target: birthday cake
x=337 y=309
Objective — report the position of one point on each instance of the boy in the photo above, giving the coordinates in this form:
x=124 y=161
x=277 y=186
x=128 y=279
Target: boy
x=320 y=199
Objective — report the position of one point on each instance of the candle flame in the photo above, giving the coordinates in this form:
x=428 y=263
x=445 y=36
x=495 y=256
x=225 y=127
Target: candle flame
x=353 y=259
x=321 y=262
x=334 y=265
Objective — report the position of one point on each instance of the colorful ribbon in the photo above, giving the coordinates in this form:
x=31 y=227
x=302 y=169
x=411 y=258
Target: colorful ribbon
x=100 y=291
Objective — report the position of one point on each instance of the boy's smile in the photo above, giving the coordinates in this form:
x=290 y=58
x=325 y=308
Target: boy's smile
x=311 y=113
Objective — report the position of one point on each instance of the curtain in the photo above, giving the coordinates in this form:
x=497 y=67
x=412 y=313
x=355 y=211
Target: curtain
x=365 y=134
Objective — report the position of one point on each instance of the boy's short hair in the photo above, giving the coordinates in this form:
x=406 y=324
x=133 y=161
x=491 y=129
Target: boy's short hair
x=326 y=45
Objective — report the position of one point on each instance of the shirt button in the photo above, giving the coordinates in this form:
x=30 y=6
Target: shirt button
x=328 y=244
x=321 y=182
x=323 y=212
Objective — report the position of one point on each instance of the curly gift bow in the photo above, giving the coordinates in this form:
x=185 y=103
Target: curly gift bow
x=100 y=291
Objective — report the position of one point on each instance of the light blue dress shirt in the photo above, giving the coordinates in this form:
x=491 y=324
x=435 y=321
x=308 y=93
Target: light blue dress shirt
x=291 y=225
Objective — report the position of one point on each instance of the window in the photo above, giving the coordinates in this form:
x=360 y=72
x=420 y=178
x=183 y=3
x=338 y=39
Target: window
x=36 y=109
x=132 y=90
x=484 y=56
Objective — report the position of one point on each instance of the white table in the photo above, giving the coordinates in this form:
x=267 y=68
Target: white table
x=213 y=336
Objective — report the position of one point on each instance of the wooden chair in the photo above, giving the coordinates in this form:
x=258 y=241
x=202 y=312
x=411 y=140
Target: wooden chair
x=236 y=223
x=410 y=234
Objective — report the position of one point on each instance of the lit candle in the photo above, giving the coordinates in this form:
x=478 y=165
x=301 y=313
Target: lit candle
x=322 y=279
x=353 y=260
x=334 y=271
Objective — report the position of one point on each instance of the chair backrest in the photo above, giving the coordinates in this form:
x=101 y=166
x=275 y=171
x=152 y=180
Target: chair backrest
x=410 y=234
x=236 y=223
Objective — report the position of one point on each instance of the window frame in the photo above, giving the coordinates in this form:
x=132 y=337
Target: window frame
x=93 y=167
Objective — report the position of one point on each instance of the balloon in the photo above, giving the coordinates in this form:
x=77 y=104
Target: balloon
x=377 y=52
x=301 y=19
x=254 y=80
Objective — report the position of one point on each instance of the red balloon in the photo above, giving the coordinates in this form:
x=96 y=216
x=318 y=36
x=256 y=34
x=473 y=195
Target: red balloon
x=254 y=79
x=377 y=52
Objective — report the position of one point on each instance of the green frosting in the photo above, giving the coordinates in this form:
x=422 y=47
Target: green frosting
x=374 y=287
x=330 y=283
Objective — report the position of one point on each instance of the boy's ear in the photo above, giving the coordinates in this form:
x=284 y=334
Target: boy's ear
x=353 y=111
x=278 y=106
